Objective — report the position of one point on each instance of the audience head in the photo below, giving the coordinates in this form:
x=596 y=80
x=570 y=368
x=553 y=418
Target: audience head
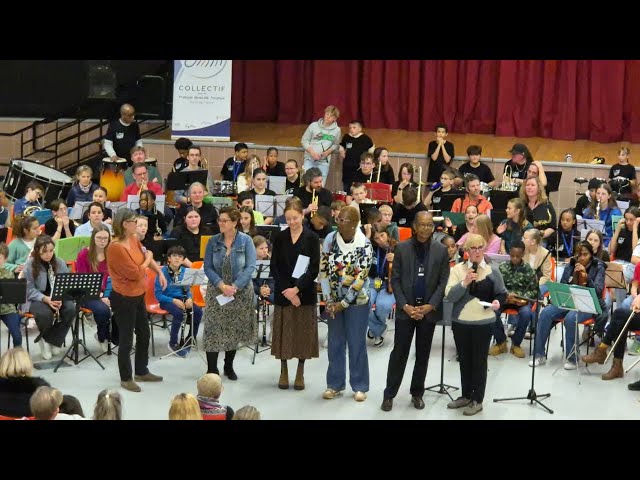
x=210 y=386
x=15 y=362
x=108 y=406
x=185 y=407
x=71 y=406
x=45 y=403
x=247 y=412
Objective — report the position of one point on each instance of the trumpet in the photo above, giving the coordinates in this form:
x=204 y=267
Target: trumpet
x=314 y=200
x=204 y=163
x=143 y=187
x=301 y=176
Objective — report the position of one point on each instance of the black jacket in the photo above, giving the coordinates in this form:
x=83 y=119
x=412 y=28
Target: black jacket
x=15 y=393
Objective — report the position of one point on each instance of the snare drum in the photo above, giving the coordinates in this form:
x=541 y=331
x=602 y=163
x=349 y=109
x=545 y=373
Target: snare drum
x=55 y=183
x=223 y=188
x=151 y=162
x=112 y=177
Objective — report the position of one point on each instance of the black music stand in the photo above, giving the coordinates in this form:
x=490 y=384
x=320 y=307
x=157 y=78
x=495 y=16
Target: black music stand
x=79 y=287
x=553 y=181
x=191 y=277
x=183 y=180
x=263 y=272
x=442 y=388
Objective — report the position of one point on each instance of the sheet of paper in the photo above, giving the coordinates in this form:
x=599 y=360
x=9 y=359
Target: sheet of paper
x=223 y=300
x=485 y=304
x=301 y=266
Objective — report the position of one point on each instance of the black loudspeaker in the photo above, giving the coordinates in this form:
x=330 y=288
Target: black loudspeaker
x=102 y=80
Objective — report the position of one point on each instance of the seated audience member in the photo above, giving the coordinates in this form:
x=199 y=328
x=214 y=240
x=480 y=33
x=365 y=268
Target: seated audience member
x=35 y=192
x=100 y=196
x=177 y=300
x=185 y=406
x=108 y=406
x=45 y=403
x=96 y=217
x=189 y=235
x=139 y=156
x=521 y=283
x=17 y=383
x=59 y=226
x=70 y=406
x=247 y=412
x=452 y=250
x=53 y=317
x=8 y=312
x=209 y=390
x=25 y=231
x=142 y=182
x=94 y=260
x=82 y=188
x=182 y=145
x=473 y=197
x=196 y=201
x=406 y=211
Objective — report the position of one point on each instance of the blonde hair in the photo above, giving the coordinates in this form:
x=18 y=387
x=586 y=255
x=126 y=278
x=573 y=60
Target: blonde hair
x=44 y=402
x=333 y=110
x=210 y=385
x=536 y=236
x=81 y=169
x=385 y=208
x=542 y=194
x=474 y=240
x=484 y=227
x=247 y=412
x=15 y=362
x=108 y=406
x=624 y=150
x=185 y=407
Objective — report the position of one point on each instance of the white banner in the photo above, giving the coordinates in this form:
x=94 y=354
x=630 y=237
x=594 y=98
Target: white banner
x=202 y=100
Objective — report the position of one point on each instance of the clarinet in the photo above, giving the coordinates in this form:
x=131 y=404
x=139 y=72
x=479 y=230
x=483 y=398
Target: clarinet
x=51 y=274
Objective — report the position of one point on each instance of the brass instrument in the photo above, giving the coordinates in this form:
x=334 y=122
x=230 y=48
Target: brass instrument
x=314 y=200
x=597 y=211
x=379 y=169
x=143 y=187
x=507 y=185
x=29 y=211
x=204 y=163
x=419 y=182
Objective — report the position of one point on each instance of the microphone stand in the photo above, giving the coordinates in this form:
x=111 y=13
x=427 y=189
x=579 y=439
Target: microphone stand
x=532 y=396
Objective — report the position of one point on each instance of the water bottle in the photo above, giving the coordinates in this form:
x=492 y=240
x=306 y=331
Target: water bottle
x=568 y=158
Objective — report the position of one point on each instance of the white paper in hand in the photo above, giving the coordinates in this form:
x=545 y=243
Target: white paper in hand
x=301 y=266
x=485 y=304
x=223 y=299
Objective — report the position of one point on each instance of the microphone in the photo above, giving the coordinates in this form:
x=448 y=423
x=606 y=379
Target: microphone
x=474 y=265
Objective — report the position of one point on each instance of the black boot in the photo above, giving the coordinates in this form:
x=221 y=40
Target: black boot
x=212 y=363
x=228 y=365
x=635 y=386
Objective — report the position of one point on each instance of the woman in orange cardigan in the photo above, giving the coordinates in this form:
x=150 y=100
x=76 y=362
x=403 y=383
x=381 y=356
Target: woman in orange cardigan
x=127 y=261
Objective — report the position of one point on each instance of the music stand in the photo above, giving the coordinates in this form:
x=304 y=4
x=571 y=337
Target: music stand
x=262 y=271
x=79 y=287
x=268 y=231
x=13 y=291
x=442 y=388
x=183 y=180
x=553 y=181
x=191 y=277
x=271 y=205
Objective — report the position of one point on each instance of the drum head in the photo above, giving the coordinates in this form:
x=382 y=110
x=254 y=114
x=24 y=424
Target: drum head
x=55 y=183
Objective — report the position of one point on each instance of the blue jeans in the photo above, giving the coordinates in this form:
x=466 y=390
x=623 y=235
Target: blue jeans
x=349 y=329
x=323 y=165
x=571 y=320
x=102 y=315
x=383 y=301
x=12 y=321
x=178 y=317
x=522 y=320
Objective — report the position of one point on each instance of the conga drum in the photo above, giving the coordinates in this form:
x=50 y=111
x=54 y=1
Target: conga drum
x=112 y=177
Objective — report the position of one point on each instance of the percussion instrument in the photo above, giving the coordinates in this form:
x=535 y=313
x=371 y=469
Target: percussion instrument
x=55 y=183
x=151 y=162
x=340 y=196
x=112 y=177
x=223 y=188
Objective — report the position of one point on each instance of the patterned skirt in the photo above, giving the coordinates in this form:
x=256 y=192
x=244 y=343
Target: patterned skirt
x=295 y=332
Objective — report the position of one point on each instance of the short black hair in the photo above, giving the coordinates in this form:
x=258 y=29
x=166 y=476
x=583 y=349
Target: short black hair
x=474 y=150
x=441 y=125
x=242 y=196
x=517 y=244
x=182 y=143
x=177 y=250
x=240 y=146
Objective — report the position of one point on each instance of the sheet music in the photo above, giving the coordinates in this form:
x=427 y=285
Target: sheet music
x=133 y=202
x=266 y=204
x=223 y=300
x=583 y=301
x=263 y=269
x=277 y=184
x=193 y=276
x=115 y=206
x=498 y=258
x=591 y=224
x=78 y=210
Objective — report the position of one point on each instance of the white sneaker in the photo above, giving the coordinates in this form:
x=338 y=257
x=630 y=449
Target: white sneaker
x=55 y=350
x=569 y=365
x=45 y=351
x=511 y=330
x=538 y=361
x=104 y=346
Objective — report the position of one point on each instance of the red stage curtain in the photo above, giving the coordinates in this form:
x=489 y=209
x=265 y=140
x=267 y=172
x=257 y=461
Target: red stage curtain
x=595 y=100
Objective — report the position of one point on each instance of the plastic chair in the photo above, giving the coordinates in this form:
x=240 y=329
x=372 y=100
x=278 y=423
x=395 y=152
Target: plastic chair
x=153 y=306
x=9 y=234
x=404 y=233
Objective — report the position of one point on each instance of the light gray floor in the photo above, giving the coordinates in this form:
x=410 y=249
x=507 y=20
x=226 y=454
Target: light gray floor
x=572 y=397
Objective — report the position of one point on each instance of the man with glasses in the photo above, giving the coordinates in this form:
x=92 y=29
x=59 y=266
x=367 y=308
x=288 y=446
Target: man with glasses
x=366 y=173
x=419 y=276
x=142 y=183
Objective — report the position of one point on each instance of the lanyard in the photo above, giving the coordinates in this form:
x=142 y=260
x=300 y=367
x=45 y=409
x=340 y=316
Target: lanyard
x=568 y=248
x=236 y=169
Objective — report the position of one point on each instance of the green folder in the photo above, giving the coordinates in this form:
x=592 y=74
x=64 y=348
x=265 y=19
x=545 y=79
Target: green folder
x=457 y=219
x=573 y=297
x=68 y=248
x=614 y=221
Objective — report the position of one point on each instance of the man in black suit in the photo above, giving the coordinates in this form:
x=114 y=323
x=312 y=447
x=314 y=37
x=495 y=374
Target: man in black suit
x=419 y=276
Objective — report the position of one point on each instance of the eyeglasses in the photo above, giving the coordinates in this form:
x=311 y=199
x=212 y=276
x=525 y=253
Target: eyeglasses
x=476 y=249
x=131 y=220
x=222 y=220
x=342 y=220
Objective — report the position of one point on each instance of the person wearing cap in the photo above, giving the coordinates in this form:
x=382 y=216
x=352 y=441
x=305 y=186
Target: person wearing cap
x=518 y=166
x=590 y=196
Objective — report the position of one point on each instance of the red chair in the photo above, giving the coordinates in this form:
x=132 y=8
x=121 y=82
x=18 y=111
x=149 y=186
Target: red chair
x=380 y=192
x=195 y=289
x=404 y=233
x=153 y=306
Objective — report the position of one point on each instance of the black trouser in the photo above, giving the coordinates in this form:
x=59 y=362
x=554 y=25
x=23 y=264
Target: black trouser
x=212 y=361
x=131 y=314
x=472 y=343
x=53 y=333
x=620 y=317
x=405 y=328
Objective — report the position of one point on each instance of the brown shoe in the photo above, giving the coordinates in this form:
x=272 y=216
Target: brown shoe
x=147 y=377
x=298 y=384
x=616 y=370
x=597 y=356
x=131 y=386
x=283 y=383
x=517 y=351
x=498 y=349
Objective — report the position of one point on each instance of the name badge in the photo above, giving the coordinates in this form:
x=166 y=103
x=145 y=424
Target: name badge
x=377 y=283
x=421 y=271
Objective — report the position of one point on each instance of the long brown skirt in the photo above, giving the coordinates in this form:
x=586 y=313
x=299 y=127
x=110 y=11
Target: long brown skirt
x=294 y=332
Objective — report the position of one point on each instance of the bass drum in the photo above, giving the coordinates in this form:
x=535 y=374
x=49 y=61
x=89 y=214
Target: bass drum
x=112 y=177
x=56 y=184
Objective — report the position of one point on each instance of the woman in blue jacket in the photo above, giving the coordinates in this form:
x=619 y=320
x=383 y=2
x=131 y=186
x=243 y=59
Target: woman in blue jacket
x=229 y=263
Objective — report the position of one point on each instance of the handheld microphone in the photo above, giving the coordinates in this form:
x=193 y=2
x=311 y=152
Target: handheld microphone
x=474 y=265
